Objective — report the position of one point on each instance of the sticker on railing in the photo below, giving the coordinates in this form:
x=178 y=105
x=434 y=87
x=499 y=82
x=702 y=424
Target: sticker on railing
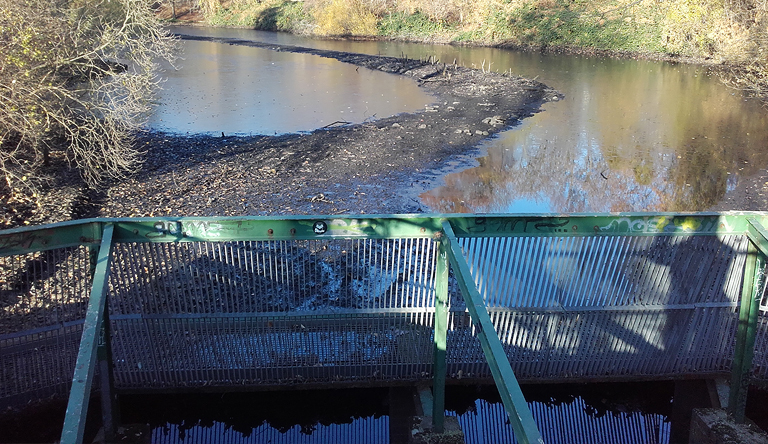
x=320 y=227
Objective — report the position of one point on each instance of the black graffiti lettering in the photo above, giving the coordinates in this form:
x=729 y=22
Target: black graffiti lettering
x=551 y=223
x=23 y=240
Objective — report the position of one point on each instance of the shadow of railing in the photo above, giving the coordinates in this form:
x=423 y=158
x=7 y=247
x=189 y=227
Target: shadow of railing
x=600 y=307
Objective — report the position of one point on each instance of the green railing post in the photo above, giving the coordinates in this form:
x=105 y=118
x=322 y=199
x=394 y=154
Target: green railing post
x=441 y=336
x=104 y=356
x=748 y=314
x=85 y=366
x=512 y=397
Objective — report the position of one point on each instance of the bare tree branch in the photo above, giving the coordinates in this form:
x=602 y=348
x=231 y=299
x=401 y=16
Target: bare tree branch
x=76 y=78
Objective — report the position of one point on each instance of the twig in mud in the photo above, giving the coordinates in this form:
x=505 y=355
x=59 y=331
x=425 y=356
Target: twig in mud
x=338 y=122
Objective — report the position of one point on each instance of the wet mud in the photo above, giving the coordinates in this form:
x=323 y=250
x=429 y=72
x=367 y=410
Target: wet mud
x=374 y=167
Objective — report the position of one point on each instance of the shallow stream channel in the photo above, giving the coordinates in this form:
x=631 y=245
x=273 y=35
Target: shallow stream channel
x=629 y=135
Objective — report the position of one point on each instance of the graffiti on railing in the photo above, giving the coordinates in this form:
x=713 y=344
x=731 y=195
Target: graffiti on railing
x=665 y=224
x=22 y=240
x=520 y=224
x=349 y=227
x=190 y=228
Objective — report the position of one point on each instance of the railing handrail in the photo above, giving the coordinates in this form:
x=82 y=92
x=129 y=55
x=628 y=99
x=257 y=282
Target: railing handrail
x=230 y=228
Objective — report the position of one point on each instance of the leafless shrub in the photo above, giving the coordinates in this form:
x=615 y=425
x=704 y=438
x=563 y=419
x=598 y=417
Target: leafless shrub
x=76 y=79
x=745 y=46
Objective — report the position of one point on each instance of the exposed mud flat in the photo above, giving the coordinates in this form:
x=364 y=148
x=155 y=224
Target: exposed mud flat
x=373 y=167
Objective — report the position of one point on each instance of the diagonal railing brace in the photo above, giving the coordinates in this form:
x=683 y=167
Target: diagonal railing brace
x=520 y=415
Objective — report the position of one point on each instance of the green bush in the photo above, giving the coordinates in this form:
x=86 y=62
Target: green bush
x=411 y=26
x=288 y=16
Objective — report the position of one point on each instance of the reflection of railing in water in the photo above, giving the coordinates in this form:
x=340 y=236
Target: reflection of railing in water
x=201 y=304
x=361 y=430
x=564 y=423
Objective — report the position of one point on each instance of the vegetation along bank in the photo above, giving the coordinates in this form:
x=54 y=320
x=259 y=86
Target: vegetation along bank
x=730 y=33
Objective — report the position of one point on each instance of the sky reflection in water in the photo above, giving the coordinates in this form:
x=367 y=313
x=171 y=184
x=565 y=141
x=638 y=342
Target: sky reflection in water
x=629 y=136
x=244 y=90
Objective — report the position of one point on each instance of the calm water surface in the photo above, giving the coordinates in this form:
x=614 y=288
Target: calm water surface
x=243 y=90
x=629 y=136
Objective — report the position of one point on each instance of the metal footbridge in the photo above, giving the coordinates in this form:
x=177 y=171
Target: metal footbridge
x=212 y=304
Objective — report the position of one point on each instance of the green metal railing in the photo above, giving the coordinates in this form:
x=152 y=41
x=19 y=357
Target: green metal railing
x=521 y=278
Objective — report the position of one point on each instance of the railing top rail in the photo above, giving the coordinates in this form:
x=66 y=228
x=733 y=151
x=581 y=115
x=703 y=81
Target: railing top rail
x=621 y=224
x=48 y=237
x=190 y=229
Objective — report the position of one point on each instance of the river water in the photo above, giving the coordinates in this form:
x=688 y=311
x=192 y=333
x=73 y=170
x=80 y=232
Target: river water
x=629 y=136
x=220 y=88
x=619 y=413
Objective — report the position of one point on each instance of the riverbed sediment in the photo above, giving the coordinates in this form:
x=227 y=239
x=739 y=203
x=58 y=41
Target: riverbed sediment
x=373 y=167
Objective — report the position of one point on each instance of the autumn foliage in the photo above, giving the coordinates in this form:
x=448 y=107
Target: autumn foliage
x=733 y=33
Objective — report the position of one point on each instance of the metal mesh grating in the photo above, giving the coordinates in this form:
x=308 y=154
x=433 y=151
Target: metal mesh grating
x=226 y=351
x=606 y=271
x=271 y=312
x=584 y=307
x=272 y=276
x=43 y=299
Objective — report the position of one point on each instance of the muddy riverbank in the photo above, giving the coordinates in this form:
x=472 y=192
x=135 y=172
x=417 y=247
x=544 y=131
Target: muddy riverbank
x=373 y=167
x=378 y=166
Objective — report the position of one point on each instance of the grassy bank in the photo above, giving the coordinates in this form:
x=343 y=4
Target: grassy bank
x=730 y=32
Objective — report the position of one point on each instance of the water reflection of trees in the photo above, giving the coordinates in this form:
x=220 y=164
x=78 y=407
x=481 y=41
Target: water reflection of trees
x=631 y=137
